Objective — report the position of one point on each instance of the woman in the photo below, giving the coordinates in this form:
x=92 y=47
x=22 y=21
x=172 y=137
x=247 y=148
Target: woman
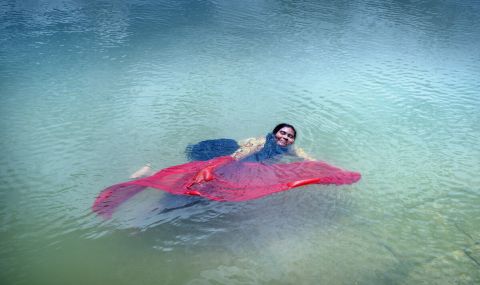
x=247 y=173
x=279 y=142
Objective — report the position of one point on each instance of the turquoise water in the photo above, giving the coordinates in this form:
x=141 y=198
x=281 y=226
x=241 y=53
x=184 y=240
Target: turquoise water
x=91 y=90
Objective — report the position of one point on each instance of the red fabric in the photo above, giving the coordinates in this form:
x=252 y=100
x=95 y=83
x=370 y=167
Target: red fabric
x=207 y=173
x=234 y=181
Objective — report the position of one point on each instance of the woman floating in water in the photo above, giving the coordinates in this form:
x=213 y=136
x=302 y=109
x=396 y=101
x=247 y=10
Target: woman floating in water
x=231 y=172
x=252 y=149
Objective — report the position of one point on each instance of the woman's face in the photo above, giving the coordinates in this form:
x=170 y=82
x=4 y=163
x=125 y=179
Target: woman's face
x=285 y=136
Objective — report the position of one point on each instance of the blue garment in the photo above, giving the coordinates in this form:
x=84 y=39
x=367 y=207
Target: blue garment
x=270 y=152
x=208 y=149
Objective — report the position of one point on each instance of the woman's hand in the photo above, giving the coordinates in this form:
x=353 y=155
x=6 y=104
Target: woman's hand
x=206 y=174
x=302 y=154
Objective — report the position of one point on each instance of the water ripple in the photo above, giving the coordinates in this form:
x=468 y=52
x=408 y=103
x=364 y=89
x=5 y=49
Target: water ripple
x=93 y=91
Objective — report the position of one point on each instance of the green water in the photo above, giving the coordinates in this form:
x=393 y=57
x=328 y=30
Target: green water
x=91 y=90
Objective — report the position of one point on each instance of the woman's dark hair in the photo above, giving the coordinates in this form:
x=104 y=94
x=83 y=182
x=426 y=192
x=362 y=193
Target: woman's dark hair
x=283 y=125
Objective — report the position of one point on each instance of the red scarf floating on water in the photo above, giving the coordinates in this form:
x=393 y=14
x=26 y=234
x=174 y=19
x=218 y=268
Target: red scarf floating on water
x=233 y=181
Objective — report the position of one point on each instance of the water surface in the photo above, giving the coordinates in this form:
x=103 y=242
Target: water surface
x=92 y=90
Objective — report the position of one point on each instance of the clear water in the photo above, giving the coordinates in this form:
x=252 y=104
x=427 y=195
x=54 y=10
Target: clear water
x=91 y=90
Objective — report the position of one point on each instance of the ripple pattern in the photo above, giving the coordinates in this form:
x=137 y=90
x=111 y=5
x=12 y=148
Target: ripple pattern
x=91 y=91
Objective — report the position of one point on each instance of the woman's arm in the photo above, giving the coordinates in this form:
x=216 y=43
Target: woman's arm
x=248 y=147
x=302 y=154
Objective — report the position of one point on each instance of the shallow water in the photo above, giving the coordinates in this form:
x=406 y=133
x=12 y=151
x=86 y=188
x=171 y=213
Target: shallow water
x=91 y=90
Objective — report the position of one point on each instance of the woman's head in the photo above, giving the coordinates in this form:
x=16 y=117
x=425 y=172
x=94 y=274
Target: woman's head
x=285 y=134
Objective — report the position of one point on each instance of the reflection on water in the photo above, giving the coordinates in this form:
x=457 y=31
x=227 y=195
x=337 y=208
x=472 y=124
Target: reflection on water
x=90 y=91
